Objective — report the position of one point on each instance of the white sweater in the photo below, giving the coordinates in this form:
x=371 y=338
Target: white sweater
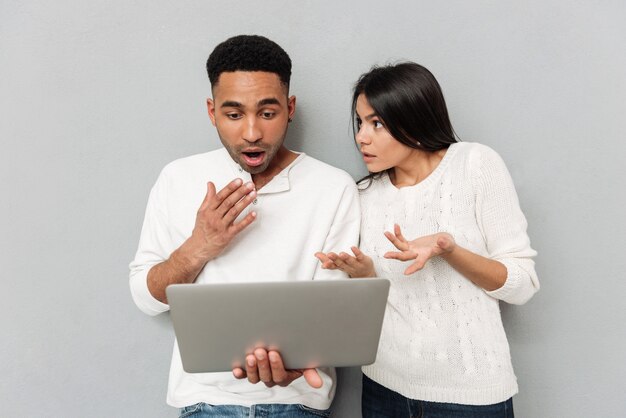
x=442 y=337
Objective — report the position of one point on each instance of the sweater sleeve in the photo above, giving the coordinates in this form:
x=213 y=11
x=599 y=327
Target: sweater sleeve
x=503 y=226
x=154 y=248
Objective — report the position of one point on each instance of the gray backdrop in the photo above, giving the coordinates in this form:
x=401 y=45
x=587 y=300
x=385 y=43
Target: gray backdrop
x=96 y=96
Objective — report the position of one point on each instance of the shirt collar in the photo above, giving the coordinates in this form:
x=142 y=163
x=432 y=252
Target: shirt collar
x=280 y=182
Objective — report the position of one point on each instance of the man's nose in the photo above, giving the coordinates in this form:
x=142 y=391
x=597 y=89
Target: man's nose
x=252 y=131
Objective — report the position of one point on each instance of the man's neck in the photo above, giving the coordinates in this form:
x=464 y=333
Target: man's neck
x=281 y=160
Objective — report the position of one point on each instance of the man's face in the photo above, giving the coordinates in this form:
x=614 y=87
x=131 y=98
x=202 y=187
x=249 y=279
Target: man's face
x=251 y=110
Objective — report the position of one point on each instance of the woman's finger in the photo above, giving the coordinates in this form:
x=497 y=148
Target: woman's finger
x=402 y=246
x=357 y=253
x=327 y=263
x=398 y=232
x=400 y=255
x=418 y=265
x=347 y=259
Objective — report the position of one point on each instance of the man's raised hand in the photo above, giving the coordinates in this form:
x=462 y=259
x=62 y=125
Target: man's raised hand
x=215 y=221
x=214 y=229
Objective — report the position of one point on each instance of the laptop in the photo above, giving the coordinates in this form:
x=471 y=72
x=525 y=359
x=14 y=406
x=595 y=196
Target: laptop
x=311 y=323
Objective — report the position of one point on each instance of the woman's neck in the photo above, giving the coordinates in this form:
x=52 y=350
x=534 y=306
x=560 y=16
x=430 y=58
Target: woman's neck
x=416 y=167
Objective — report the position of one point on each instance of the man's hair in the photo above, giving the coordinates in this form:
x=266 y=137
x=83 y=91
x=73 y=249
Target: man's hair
x=248 y=53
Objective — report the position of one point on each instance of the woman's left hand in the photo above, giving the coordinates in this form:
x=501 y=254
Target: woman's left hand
x=420 y=250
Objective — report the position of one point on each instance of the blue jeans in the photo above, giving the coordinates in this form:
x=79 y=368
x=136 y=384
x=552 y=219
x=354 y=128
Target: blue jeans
x=378 y=402
x=202 y=410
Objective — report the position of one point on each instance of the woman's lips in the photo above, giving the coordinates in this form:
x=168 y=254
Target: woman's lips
x=368 y=158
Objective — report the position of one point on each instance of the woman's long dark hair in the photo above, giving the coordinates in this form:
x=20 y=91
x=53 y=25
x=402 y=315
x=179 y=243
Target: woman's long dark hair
x=409 y=101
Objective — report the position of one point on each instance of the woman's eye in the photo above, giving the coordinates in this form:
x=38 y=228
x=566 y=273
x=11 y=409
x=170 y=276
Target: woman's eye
x=358 y=122
x=377 y=124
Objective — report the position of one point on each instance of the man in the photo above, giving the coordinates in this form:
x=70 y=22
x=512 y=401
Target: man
x=250 y=211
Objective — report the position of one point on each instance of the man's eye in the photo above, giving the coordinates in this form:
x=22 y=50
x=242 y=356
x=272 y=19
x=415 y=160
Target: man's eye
x=267 y=115
x=233 y=116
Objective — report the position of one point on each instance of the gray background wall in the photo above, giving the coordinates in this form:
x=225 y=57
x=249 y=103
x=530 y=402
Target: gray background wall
x=96 y=96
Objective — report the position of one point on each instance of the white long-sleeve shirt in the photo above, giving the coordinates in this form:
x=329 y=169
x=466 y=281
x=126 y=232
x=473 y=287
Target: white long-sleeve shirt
x=442 y=337
x=308 y=207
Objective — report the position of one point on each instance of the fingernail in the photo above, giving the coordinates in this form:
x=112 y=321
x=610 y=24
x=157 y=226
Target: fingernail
x=250 y=362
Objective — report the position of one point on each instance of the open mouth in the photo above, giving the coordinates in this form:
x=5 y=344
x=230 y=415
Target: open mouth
x=367 y=158
x=253 y=158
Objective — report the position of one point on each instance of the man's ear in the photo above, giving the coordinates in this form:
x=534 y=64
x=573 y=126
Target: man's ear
x=210 y=105
x=291 y=106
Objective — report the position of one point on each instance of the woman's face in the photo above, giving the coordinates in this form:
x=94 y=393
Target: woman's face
x=380 y=150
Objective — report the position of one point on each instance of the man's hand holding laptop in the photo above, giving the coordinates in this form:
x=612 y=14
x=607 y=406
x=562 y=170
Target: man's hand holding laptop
x=267 y=367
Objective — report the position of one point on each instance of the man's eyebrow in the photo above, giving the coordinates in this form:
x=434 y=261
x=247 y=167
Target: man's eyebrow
x=231 y=103
x=268 y=101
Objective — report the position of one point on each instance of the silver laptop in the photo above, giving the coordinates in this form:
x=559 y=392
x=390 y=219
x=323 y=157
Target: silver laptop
x=311 y=323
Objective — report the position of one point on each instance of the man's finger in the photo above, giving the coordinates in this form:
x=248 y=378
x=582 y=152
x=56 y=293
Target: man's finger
x=231 y=200
x=241 y=225
x=251 y=369
x=209 y=197
x=279 y=374
x=225 y=192
x=239 y=373
x=238 y=207
x=263 y=364
x=313 y=378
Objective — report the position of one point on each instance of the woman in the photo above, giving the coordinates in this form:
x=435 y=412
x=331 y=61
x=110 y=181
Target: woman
x=443 y=351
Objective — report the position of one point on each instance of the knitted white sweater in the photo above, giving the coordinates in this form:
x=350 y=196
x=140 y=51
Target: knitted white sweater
x=442 y=337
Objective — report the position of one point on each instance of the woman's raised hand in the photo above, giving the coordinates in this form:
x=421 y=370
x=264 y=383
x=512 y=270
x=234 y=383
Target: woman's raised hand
x=419 y=250
x=358 y=265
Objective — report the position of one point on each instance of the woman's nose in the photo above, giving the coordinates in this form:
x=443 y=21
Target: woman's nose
x=362 y=137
